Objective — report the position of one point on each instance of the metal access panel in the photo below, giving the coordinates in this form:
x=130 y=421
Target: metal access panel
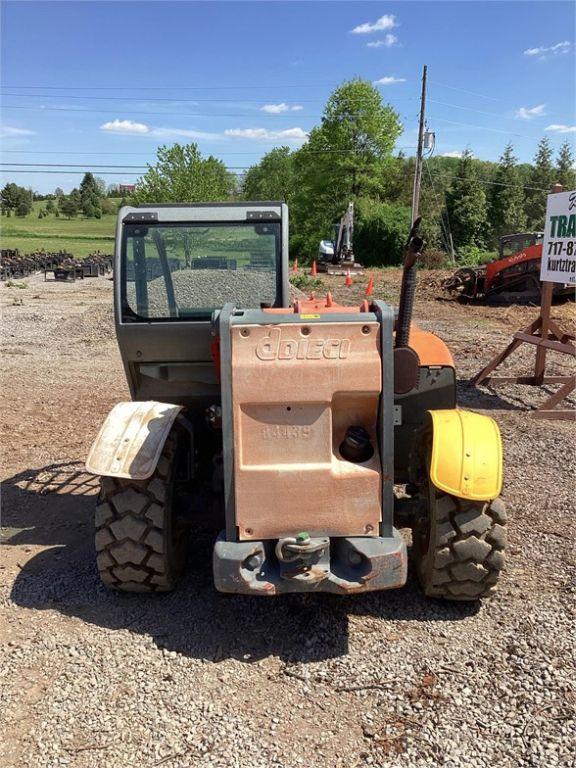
x=296 y=383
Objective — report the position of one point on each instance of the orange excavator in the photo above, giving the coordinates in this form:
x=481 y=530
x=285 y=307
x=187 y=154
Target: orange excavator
x=513 y=277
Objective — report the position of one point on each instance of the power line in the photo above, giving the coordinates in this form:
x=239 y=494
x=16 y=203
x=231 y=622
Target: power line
x=100 y=154
x=81 y=173
x=483 y=128
x=445 y=231
x=22 y=164
x=467 y=109
x=283 y=115
x=141 y=98
x=68 y=173
x=445 y=207
x=164 y=99
x=146 y=152
x=91 y=166
x=74 y=165
x=237 y=115
x=463 y=90
x=493 y=183
x=164 y=88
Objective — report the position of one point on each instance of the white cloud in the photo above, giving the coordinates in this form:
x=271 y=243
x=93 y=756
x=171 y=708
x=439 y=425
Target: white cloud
x=556 y=128
x=389 y=80
x=388 y=42
x=528 y=113
x=553 y=50
x=125 y=126
x=276 y=109
x=388 y=21
x=263 y=134
x=453 y=153
x=132 y=128
x=9 y=132
x=182 y=132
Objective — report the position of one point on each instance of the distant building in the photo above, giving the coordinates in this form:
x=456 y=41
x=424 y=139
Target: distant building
x=126 y=189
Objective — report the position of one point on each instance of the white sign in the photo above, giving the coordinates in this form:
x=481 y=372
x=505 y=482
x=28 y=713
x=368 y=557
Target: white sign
x=559 y=247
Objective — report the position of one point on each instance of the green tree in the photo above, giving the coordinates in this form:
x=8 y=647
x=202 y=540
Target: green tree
x=433 y=228
x=506 y=203
x=58 y=192
x=100 y=185
x=25 y=202
x=182 y=175
x=540 y=181
x=273 y=178
x=16 y=198
x=359 y=132
x=108 y=207
x=565 y=172
x=10 y=196
x=397 y=178
x=90 y=197
x=466 y=204
x=50 y=207
x=344 y=159
x=70 y=205
x=380 y=232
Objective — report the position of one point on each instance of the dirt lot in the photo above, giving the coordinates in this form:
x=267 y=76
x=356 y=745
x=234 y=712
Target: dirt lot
x=93 y=679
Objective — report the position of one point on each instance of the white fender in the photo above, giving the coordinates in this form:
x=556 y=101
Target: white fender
x=131 y=439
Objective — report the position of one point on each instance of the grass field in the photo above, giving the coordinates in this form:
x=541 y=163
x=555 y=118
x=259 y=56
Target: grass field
x=78 y=236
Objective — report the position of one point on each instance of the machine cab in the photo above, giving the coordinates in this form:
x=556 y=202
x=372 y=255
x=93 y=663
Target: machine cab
x=510 y=244
x=176 y=264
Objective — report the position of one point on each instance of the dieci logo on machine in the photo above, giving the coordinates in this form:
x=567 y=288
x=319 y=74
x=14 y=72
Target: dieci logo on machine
x=274 y=347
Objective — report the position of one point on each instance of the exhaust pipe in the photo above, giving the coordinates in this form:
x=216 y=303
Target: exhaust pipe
x=413 y=249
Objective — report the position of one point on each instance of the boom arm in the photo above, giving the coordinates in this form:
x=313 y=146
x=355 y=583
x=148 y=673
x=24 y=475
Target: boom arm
x=343 y=248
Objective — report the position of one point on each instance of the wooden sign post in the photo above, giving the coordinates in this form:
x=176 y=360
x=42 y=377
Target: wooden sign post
x=558 y=266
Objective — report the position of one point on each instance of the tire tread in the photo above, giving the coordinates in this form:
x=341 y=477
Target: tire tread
x=466 y=543
x=131 y=531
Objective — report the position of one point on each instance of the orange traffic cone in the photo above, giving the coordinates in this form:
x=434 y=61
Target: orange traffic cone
x=295 y=265
x=314 y=271
x=370 y=287
x=348 y=280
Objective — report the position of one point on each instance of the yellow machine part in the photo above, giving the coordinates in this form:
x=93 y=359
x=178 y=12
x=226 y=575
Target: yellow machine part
x=466 y=456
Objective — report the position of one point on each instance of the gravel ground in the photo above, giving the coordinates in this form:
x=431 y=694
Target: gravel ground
x=208 y=288
x=195 y=679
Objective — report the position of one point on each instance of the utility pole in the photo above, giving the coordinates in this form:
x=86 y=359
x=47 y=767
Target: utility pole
x=418 y=169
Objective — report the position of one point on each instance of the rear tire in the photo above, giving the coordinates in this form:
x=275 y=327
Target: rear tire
x=139 y=545
x=459 y=546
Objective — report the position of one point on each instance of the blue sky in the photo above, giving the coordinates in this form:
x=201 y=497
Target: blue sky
x=241 y=77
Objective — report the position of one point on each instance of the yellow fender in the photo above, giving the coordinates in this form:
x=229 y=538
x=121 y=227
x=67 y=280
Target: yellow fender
x=466 y=456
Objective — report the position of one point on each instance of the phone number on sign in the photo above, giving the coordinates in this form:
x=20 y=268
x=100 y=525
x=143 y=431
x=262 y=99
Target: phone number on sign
x=561 y=248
